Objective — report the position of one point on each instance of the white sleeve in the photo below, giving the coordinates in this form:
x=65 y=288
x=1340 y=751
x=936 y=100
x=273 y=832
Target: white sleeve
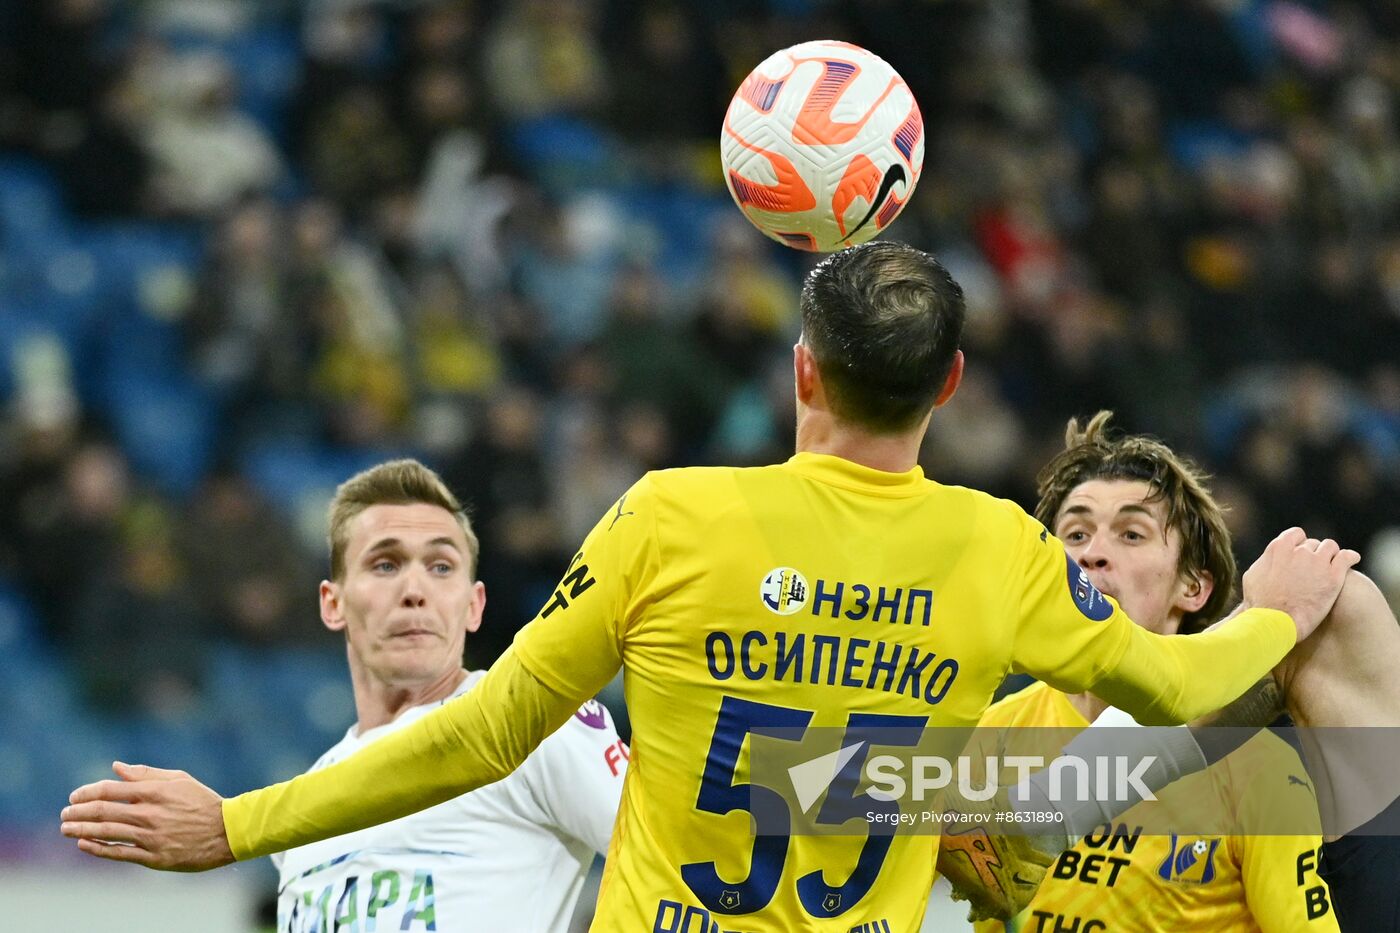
x=1168 y=752
x=578 y=773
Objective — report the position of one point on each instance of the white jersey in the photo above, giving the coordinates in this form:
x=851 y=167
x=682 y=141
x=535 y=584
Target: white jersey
x=508 y=856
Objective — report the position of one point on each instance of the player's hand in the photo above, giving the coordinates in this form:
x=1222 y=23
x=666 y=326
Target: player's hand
x=1299 y=575
x=153 y=817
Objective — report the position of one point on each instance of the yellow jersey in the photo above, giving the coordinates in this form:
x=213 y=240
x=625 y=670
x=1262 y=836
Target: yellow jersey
x=814 y=593
x=1119 y=880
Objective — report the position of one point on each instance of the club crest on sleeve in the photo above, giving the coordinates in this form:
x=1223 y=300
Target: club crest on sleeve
x=1086 y=596
x=783 y=591
x=591 y=714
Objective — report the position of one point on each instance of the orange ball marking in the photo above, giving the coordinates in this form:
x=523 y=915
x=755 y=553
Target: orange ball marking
x=860 y=181
x=814 y=126
x=790 y=194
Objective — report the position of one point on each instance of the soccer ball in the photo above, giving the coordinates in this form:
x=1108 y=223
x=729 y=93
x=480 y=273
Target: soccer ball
x=822 y=145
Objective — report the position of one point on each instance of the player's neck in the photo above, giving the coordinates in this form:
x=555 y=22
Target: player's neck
x=820 y=433
x=378 y=703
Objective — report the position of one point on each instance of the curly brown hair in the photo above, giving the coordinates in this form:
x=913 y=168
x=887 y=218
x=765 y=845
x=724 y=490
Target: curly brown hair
x=1092 y=452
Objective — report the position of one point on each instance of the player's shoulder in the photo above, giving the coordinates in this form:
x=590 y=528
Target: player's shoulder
x=1267 y=761
x=1001 y=512
x=679 y=481
x=678 y=487
x=994 y=517
x=1267 y=774
x=701 y=493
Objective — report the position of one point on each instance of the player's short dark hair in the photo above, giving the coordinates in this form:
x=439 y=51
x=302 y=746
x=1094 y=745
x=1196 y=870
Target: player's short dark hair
x=396 y=482
x=1091 y=453
x=883 y=321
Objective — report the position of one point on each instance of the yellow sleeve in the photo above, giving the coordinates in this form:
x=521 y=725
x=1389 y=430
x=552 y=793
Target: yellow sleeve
x=1165 y=681
x=564 y=656
x=1280 y=872
x=1074 y=638
x=1282 y=886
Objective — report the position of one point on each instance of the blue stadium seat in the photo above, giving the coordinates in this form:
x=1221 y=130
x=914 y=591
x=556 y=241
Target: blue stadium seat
x=90 y=745
x=128 y=253
x=281 y=709
x=21 y=258
x=563 y=153
x=34 y=686
x=294 y=474
x=197 y=745
x=133 y=264
x=167 y=427
x=268 y=64
x=684 y=222
x=22 y=643
x=1194 y=144
x=33 y=787
x=37 y=707
x=31 y=200
x=47 y=265
x=132 y=345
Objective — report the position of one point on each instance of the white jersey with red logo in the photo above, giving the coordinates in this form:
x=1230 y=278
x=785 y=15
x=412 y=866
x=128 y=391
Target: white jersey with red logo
x=508 y=856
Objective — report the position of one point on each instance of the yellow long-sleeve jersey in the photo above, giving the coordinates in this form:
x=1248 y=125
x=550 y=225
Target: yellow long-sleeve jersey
x=814 y=593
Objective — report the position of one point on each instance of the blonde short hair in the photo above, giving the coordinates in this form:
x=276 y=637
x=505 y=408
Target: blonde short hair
x=397 y=482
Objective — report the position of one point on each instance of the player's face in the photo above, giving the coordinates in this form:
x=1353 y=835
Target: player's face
x=1119 y=535
x=408 y=599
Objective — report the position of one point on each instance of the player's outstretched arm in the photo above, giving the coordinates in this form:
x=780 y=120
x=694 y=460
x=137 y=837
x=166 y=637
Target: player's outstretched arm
x=1164 y=680
x=1072 y=637
x=563 y=657
x=170 y=821
x=999 y=875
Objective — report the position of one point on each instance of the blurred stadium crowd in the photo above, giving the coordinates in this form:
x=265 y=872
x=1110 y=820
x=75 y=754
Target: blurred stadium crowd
x=249 y=246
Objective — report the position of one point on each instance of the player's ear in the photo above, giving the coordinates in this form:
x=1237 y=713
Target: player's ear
x=332 y=609
x=804 y=372
x=950 y=385
x=477 y=608
x=1196 y=590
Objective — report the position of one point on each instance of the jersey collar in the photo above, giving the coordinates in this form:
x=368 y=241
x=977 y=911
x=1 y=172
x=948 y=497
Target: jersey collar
x=413 y=712
x=838 y=471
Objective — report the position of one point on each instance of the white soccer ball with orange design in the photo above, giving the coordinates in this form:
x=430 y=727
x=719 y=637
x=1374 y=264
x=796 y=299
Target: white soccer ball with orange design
x=822 y=145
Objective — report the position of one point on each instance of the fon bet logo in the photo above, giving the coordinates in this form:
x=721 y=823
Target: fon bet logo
x=783 y=591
